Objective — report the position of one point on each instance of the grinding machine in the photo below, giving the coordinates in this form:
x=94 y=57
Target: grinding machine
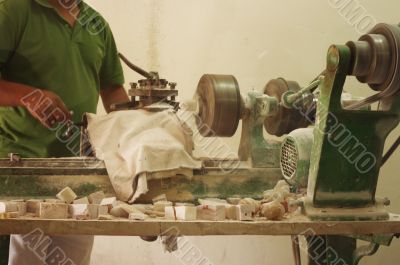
x=332 y=147
x=338 y=157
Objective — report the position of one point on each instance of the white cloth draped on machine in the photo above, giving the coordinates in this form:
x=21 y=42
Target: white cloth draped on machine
x=138 y=145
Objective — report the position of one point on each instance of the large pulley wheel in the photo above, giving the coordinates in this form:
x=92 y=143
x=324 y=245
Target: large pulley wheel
x=219 y=105
x=376 y=58
x=285 y=120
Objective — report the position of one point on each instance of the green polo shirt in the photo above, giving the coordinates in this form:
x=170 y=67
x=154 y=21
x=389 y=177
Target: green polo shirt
x=39 y=48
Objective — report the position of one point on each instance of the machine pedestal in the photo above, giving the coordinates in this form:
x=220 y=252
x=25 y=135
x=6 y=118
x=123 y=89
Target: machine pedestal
x=376 y=212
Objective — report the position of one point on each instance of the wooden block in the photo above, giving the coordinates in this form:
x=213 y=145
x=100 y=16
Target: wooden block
x=139 y=216
x=83 y=200
x=159 y=198
x=109 y=202
x=211 y=212
x=186 y=213
x=53 y=210
x=169 y=213
x=160 y=205
x=67 y=195
x=96 y=198
x=32 y=206
x=244 y=212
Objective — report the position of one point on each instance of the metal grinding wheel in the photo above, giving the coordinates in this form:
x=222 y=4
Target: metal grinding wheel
x=219 y=105
x=285 y=120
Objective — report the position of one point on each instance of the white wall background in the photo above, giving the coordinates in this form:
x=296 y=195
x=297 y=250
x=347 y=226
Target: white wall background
x=255 y=40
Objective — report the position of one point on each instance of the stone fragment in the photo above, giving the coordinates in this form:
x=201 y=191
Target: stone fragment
x=53 y=210
x=67 y=195
x=211 y=212
x=83 y=200
x=186 y=213
x=96 y=198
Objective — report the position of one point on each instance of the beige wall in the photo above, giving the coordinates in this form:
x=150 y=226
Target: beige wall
x=256 y=40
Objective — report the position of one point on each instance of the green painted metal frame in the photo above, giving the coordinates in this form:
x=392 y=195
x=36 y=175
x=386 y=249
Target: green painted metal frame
x=337 y=178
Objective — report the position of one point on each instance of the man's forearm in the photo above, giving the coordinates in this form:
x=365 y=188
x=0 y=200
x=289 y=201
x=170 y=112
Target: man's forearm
x=11 y=94
x=113 y=95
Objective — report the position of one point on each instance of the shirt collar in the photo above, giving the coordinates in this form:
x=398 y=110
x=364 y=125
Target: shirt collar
x=46 y=3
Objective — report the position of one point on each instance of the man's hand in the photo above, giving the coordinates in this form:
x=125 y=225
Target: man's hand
x=46 y=107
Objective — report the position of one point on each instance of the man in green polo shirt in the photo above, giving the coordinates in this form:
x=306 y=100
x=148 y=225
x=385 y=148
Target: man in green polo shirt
x=56 y=58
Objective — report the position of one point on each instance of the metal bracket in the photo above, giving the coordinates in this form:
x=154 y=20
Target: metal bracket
x=253 y=145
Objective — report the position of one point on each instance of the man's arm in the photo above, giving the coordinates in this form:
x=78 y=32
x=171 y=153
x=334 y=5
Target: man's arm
x=45 y=106
x=113 y=95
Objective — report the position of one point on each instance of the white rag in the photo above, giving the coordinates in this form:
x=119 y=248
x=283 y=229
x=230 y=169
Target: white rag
x=138 y=145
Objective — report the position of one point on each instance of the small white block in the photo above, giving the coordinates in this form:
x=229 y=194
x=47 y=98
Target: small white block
x=170 y=213
x=231 y=212
x=96 y=198
x=186 y=213
x=160 y=205
x=77 y=209
x=32 y=206
x=109 y=202
x=102 y=210
x=7 y=207
x=67 y=195
x=21 y=208
x=244 y=212
x=211 y=212
x=53 y=210
x=83 y=200
x=123 y=210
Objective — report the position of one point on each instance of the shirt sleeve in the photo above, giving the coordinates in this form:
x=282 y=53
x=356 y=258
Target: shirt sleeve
x=111 y=73
x=13 y=19
x=8 y=35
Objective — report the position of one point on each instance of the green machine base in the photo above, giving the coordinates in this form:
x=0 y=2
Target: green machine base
x=370 y=213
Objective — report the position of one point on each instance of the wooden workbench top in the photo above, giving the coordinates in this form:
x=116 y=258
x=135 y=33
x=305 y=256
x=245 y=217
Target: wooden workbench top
x=122 y=227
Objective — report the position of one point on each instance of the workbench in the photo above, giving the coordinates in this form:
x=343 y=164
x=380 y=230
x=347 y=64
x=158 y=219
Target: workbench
x=298 y=225
x=43 y=178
